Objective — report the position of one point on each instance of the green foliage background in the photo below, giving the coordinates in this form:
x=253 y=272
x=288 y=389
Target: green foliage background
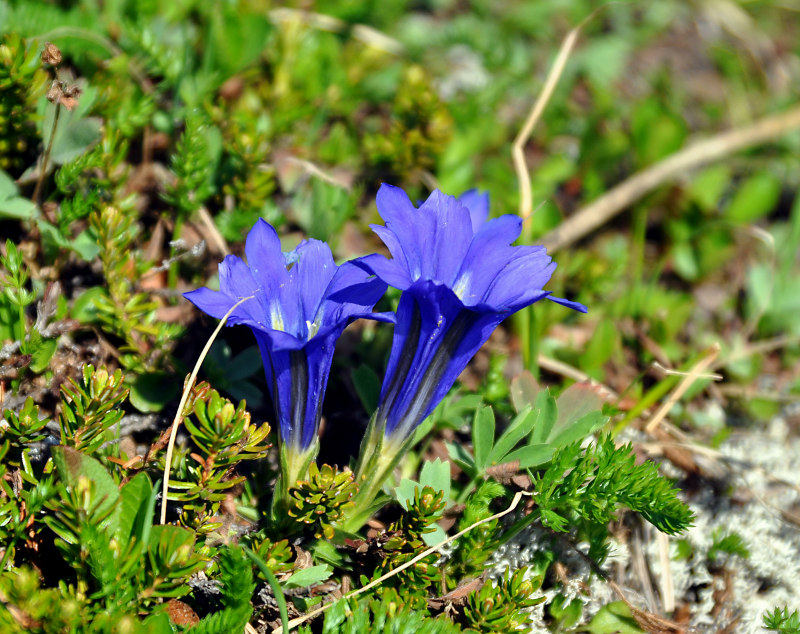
x=193 y=119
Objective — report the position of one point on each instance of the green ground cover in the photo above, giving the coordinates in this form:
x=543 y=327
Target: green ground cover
x=141 y=141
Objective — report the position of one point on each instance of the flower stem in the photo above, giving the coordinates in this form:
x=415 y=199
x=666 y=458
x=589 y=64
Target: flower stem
x=379 y=456
x=45 y=158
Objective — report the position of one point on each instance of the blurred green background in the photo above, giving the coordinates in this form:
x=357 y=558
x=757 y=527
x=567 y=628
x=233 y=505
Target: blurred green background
x=197 y=118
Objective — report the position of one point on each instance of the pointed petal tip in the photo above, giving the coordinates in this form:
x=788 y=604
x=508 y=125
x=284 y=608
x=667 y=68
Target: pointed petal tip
x=569 y=304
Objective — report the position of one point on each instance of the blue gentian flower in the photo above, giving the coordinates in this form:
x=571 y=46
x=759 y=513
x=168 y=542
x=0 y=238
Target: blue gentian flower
x=460 y=278
x=302 y=301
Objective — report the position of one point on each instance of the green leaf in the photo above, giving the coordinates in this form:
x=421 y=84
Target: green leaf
x=483 y=435
x=157 y=624
x=8 y=187
x=707 y=187
x=71 y=465
x=84 y=308
x=521 y=426
x=151 y=392
x=328 y=553
x=11 y=204
x=76 y=133
x=685 y=261
x=244 y=365
x=614 y=618
x=405 y=491
x=42 y=351
x=760 y=286
x=85 y=245
x=579 y=429
x=17 y=207
x=756 y=197
x=462 y=458
x=436 y=474
x=530 y=455
x=574 y=403
x=308 y=576
x=134 y=498
x=524 y=390
x=368 y=387
x=546 y=415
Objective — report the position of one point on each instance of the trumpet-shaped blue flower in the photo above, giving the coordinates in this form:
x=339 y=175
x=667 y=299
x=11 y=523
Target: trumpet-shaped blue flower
x=301 y=303
x=460 y=278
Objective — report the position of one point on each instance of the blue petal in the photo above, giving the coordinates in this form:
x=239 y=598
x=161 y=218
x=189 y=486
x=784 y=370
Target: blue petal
x=297 y=379
x=310 y=277
x=424 y=315
x=478 y=205
x=277 y=369
x=395 y=248
x=520 y=283
x=446 y=237
x=268 y=266
x=355 y=287
x=403 y=220
x=351 y=295
x=390 y=271
x=569 y=304
x=489 y=253
x=434 y=340
x=210 y=302
x=236 y=281
x=264 y=255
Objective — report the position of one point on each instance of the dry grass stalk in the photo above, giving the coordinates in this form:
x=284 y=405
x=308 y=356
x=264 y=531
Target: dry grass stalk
x=693 y=374
x=626 y=193
x=187 y=388
x=667 y=587
x=517 y=149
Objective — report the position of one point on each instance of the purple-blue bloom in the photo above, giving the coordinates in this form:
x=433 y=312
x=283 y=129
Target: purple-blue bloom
x=460 y=278
x=302 y=301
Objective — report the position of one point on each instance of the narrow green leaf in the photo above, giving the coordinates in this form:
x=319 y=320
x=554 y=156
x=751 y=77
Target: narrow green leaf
x=461 y=457
x=134 y=498
x=530 y=455
x=578 y=429
x=308 y=576
x=72 y=464
x=483 y=435
x=546 y=415
x=520 y=427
